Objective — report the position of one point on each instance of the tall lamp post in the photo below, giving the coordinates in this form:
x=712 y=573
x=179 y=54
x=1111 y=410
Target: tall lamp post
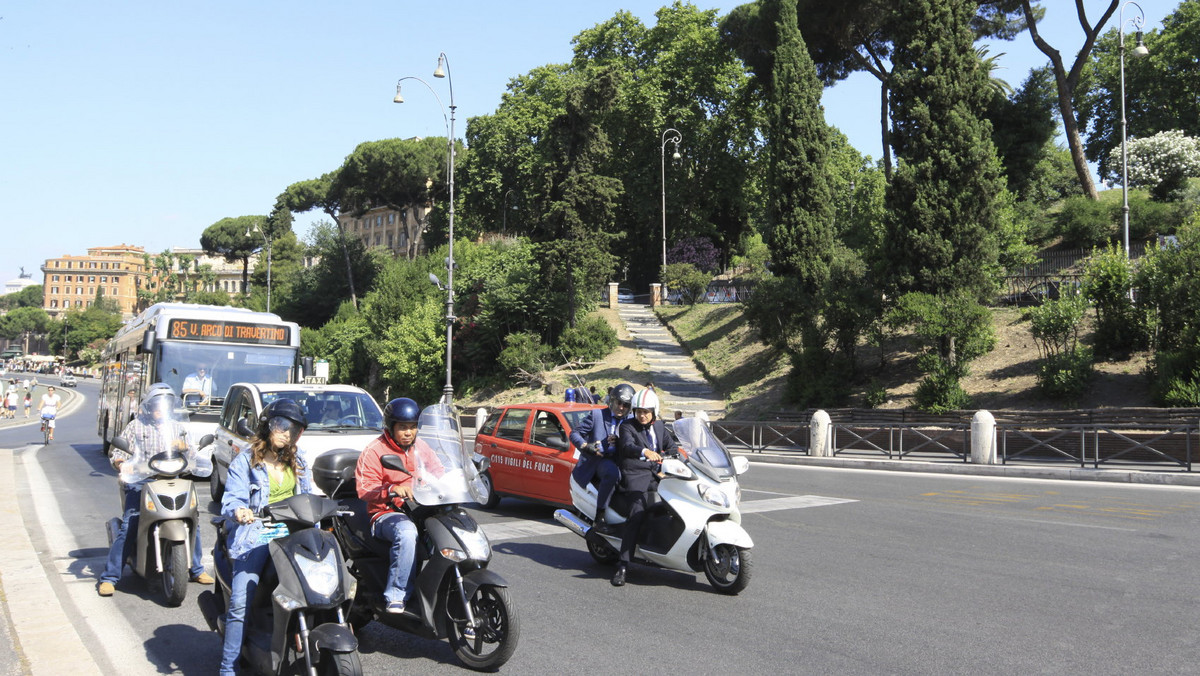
x=504 y=206
x=443 y=71
x=1139 y=51
x=670 y=135
x=267 y=245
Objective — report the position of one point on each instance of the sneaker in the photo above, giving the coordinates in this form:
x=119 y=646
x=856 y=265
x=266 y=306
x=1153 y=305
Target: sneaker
x=395 y=607
x=202 y=578
x=602 y=527
x=106 y=589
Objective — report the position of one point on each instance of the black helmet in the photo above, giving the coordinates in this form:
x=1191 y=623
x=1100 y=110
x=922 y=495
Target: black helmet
x=281 y=408
x=400 y=409
x=622 y=393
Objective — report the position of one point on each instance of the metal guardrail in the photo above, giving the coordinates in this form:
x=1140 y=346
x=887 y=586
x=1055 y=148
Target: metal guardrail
x=1157 y=445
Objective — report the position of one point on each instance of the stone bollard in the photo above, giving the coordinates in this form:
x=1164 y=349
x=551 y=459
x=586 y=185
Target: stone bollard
x=480 y=418
x=656 y=294
x=820 y=435
x=612 y=296
x=983 y=438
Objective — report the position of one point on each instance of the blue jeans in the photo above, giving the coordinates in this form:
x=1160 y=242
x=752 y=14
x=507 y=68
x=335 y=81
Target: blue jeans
x=122 y=546
x=246 y=572
x=401 y=532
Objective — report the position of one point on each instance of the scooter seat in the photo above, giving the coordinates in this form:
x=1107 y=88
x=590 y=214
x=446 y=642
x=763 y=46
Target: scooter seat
x=361 y=541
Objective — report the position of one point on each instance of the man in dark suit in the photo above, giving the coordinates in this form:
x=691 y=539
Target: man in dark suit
x=644 y=442
x=596 y=438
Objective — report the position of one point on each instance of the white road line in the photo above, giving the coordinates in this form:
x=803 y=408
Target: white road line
x=517 y=529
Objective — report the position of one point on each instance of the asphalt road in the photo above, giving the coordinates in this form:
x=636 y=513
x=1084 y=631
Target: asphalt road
x=855 y=572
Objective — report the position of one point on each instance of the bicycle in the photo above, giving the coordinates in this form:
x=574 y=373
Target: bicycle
x=47 y=430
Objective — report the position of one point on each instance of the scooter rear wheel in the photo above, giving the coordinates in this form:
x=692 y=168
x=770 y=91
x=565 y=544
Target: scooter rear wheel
x=496 y=634
x=175 y=573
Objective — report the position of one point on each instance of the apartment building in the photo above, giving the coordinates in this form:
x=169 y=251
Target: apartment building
x=73 y=281
x=398 y=231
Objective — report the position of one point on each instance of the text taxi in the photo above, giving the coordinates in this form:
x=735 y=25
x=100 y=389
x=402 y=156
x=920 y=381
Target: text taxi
x=528 y=452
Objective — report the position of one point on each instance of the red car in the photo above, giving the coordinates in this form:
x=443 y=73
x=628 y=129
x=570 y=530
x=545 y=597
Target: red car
x=529 y=452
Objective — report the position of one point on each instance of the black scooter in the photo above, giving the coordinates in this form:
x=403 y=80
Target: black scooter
x=298 y=615
x=452 y=556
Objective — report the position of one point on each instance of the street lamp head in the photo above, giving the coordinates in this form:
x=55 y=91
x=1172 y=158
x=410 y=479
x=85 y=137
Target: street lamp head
x=440 y=71
x=1140 y=51
x=399 y=98
x=676 y=155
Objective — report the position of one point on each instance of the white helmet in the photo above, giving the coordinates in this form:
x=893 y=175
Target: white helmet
x=646 y=399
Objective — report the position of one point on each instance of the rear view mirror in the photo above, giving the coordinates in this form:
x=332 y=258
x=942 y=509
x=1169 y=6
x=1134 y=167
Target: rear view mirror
x=243 y=428
x=394 y=462
x=740 y=464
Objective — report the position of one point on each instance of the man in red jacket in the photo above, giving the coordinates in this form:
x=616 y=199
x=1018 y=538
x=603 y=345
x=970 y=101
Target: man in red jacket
x=385 y=490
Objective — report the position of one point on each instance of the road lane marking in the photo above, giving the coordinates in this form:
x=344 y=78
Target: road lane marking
x=518 y=528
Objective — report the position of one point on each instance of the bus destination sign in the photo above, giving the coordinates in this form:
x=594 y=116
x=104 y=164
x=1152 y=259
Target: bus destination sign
x=228 y=332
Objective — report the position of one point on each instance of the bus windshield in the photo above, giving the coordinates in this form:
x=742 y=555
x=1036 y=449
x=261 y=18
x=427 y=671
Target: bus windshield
x=211 y=369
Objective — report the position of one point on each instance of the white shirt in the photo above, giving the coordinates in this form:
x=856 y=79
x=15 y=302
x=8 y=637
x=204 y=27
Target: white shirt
x=197 y=382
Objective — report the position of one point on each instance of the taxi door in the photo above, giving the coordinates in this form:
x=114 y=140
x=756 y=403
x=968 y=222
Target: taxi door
x=549 y=459
x=506 y=451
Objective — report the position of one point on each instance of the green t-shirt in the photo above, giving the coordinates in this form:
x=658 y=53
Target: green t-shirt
x=284 y=488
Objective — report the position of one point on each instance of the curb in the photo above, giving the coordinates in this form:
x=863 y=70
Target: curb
x=1140 y=477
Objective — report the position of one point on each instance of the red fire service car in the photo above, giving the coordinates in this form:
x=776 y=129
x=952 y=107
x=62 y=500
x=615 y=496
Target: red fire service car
x=529 y=453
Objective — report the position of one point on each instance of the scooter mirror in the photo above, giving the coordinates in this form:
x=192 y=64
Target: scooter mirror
x=121 y=444
x=206 y=440
x=394 y=462
x=740 y=464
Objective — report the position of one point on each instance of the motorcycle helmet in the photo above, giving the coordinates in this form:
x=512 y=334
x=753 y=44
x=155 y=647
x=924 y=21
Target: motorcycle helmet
x=621 y=394
x=400 y=409
x=275 y=414
x=159 y=399
x=646 y=399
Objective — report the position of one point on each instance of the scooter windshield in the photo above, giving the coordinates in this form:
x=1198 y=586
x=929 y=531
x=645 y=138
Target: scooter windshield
x=444 y=474
x=159 y=444
x=705 y=452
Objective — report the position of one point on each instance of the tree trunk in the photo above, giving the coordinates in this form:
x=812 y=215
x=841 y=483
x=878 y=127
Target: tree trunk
x=885 y=131
x=1066 y=108
x=346 y=255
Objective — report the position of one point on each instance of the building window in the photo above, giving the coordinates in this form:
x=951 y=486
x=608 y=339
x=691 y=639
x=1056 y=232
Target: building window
x=53 y=303
x=376 y=239
x=92 y=279
x=79 y=291
x=104 y=280
x=78 y=303
x=391 y=240
x=114 y=291
x=54 y=290
x=54 y=278
x=92 y=265
x=378 y=221
x=391 y=217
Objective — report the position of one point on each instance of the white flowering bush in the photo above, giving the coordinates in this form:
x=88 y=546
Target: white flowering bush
x=1162 y=162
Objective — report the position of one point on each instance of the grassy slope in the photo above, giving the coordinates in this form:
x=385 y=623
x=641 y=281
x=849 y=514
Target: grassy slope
x=750 y=376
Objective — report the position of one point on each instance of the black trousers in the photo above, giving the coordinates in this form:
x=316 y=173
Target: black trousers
x=635 y=504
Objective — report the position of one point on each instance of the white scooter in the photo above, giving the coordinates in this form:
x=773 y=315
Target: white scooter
x=692 y=522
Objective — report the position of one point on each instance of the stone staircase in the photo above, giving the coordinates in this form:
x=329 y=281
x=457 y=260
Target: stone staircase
x=680 y=385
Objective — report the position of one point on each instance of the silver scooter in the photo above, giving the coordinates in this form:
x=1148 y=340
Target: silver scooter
x=168 y=515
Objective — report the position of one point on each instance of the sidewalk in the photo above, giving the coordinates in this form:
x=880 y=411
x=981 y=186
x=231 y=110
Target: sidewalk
x=36 y=631
x=679 y=384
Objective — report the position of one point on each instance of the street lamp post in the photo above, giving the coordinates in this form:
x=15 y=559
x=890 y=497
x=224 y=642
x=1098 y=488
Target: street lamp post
x=504 y=206
x=670 y=135
x=1139 y=51
x=267 y=245
x=443 y=71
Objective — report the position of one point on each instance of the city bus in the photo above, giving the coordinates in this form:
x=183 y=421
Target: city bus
x=170 y=342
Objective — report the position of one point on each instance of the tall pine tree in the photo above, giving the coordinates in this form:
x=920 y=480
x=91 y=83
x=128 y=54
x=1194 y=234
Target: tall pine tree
x=800 y=213
x=945 y=201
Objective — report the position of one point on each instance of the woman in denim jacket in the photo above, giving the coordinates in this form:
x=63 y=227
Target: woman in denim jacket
x=269 y=471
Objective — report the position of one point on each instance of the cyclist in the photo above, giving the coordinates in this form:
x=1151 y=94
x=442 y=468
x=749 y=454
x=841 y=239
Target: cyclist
x=49 y=408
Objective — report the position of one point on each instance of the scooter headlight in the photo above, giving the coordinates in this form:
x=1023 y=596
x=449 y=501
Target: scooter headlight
x=321 y=575
x=475 y=543
x=168 y=464
x=714 y=496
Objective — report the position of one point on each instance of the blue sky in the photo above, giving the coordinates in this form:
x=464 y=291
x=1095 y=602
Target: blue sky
x=145 y=122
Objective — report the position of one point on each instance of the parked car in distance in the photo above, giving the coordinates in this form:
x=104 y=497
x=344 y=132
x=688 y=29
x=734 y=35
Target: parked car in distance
x=624 y=295
x=339 y=417
x=67 y=380
x=529 y=452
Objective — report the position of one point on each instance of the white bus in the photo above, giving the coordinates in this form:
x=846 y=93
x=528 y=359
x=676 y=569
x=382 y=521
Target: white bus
x=171 y=342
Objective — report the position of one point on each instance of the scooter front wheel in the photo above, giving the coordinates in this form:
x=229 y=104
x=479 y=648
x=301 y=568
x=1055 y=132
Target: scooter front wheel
x=730 y=571
x=497 y=630
x=175 y=572
x=339 y=664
